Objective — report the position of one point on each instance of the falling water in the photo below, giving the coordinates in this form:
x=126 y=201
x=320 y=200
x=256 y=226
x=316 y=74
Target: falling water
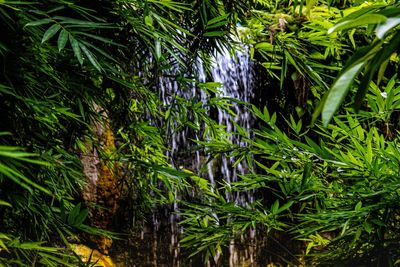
x=234 y=73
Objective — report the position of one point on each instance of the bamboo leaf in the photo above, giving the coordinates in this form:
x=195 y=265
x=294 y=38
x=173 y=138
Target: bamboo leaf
x=149 y=21
x=63 y=213
x=306 y=173
x=338 y=92
x=74 y=214
x=214 y=34
x=81 y=217
x=386 y=26
x=91 y=57
x=50 y=32
x=378 y=60
x=360 y=21
x=275 y=207
x=76 y=49
x=102 y=39
x=62 y=40
x=381 y=72
x=38 y=22
x=285 y=206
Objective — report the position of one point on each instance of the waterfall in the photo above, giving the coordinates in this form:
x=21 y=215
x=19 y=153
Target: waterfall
x=234 y=73
x=236 y=77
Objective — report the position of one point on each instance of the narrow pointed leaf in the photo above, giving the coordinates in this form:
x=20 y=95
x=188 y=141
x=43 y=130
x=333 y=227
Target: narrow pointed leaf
x=306 y=172
x=338 y=92
x=50 y=32
x=91 y=57
x=81 y=217
x=5 y=203
x=285 y=206
x=74 y=214
x=328 y=104
x=76 y=49
x=378 y=60
x=360 y=21
x=38 y=22
x=62 y=40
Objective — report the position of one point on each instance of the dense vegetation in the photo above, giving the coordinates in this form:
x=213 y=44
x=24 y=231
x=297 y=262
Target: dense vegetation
x=82 y=79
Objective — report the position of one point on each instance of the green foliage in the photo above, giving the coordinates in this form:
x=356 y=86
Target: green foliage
x=338 y=192
x=70 y=65
x=372 y=58
x=65 y=65
x=290 y=42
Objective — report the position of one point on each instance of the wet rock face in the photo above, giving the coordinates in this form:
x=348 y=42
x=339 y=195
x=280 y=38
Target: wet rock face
x=108 y=194
x=90 y=161
x=101 y=192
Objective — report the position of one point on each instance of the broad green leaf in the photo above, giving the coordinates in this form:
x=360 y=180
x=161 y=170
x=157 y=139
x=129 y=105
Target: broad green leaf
x=360 y=11
x=217 y=22
x=81 y=23
x=338 y=92
x=55 y=9
x=309 y=5
x=301 y=7
x=344 y=227
x=62 y=40
x=283 y=71
x=265 y=46
x=389 y=11
x=360 y=21
x=379 y=58
x=50 y=32
x=106 y=54
x=3 y=246
x=173 y=5
x=386 y=26
x=15 y=154
x=76 y=49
